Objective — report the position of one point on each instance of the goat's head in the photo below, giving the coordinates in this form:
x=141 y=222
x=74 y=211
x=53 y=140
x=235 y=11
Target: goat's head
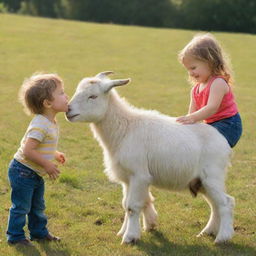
x=90 y=101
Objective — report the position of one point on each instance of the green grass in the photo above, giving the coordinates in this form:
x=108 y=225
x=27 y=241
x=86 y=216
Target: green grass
x=83 y=207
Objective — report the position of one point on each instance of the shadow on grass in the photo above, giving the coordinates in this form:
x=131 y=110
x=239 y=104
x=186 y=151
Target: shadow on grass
x=28 y=251
x=55 y=248
x=160 y=246
x=232 y=249
x=51 y=249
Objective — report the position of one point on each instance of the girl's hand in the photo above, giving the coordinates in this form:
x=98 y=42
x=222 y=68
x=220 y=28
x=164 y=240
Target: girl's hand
x=185 y=119
x=60 y=157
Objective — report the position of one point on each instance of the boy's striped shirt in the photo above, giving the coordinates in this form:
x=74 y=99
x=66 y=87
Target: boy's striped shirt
x=47 y=133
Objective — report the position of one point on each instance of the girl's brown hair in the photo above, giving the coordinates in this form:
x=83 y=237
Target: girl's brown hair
x=205 y=47
x=36 y=89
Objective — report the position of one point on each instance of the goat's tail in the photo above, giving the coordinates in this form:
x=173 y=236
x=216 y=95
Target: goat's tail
x=194 y=186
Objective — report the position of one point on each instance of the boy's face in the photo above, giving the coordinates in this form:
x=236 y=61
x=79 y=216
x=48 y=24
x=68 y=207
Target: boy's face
x=198 y=70
x=60 y=100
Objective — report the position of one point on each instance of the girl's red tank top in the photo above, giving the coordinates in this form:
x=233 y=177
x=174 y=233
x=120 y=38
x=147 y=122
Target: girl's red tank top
x=227 y=107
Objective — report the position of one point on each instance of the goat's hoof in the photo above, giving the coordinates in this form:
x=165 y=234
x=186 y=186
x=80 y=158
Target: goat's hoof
x=150 y=228
x=222 y=240
x=201 y=234
x=120 y=233
x=130 y=240
x=224 y=237
x=209 y=231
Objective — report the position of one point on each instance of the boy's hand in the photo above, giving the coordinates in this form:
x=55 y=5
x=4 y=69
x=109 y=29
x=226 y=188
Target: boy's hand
x=52 y=170
x=60 y=157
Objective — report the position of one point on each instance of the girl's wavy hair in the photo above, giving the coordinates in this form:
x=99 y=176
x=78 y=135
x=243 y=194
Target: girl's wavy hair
x=36 y=89
x=205 y=47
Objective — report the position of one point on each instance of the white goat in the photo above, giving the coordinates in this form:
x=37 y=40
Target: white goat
x=143 y=148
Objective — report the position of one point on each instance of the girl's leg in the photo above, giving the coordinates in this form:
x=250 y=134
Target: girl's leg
x=230 y=128
x=37 y=220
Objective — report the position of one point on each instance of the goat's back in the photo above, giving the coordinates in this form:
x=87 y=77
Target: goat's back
x=171 y=153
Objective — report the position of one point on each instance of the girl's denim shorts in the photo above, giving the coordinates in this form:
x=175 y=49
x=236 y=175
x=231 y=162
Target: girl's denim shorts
x=231 y=128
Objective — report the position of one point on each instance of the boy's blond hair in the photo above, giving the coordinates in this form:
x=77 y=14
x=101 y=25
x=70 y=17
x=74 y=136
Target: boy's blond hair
x=36 y=89
x=205 y=47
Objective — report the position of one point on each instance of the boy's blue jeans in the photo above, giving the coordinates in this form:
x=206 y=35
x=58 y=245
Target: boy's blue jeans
x=27 y=197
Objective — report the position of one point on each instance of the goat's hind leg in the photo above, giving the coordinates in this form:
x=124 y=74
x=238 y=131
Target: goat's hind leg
x=213 y=224
x=124 y=225
x=226 y=229
x=221 y=220
x=149 y=214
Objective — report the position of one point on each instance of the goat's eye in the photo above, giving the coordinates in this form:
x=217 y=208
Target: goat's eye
x=92 y=97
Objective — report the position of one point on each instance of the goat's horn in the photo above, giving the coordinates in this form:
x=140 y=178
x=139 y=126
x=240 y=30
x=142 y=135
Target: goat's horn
x=114 y=83
x=103 y=74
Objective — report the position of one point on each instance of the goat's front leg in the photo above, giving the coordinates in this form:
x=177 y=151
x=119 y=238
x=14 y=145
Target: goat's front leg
x=137 y=194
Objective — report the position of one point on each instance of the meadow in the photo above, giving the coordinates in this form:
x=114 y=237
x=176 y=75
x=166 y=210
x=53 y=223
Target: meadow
x=83 y=207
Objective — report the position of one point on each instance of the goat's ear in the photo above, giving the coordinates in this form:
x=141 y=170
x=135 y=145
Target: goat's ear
x=114 y=83
x=104 y=74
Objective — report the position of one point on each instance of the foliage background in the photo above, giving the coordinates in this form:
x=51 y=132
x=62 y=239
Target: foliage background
x=217 y=15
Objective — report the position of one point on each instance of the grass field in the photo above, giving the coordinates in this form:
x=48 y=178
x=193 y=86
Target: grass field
x=83 y=207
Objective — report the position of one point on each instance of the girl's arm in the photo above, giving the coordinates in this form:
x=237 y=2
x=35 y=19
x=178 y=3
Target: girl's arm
x=218 y=89
x=192 y=104
x=33 y=155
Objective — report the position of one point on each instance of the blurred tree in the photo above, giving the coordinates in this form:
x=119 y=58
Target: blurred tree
x=3 y=8
x=139 y=12
x=218 y=15
x=12 y=5
x=151 y=12
x=223 y=15
x=45 y=8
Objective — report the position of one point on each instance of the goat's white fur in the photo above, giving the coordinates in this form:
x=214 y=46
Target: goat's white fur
x=143 y=148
